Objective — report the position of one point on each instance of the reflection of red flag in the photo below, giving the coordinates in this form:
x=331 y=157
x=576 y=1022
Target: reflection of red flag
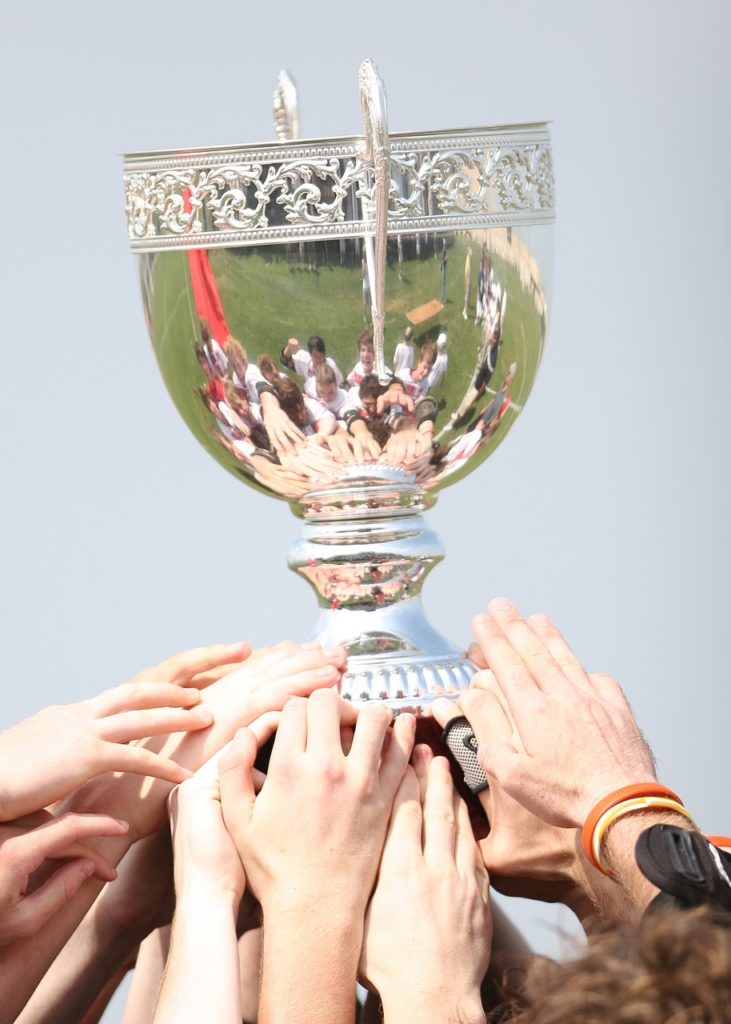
x=205 y=291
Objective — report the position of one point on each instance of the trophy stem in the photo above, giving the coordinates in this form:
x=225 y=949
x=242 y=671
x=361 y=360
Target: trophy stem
x=366 y=550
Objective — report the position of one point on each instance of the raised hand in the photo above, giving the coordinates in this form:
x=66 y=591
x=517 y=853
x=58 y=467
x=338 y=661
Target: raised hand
x=310 y=843
x=428 y=930
x=23 y=849
x=47 y=756
x=523 y=854
x=578 y=737
x=198 y=667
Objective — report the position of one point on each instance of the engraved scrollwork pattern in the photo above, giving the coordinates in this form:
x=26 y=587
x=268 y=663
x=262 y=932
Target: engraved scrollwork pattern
x=252 y=201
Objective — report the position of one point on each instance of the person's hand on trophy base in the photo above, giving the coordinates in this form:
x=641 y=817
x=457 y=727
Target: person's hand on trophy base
x=553 y=740
x=311 y=841
x=428 y=929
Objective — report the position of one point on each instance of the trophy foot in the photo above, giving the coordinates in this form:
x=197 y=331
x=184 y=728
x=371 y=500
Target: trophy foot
x=366 y=550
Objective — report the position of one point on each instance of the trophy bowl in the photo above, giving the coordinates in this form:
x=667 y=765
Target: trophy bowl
x=350 y=325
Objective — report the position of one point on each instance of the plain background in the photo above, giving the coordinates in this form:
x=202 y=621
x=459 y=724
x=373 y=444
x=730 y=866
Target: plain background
x=609 y=504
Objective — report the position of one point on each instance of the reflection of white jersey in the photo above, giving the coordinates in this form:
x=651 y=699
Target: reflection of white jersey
x=302 y=362
x=415 y=389
x=356 y=375
x=252 y=377
x=315 y=411
x=438 y=369
x=335 y=406
x=403 y=357
x=217 y=358
x=465 y=447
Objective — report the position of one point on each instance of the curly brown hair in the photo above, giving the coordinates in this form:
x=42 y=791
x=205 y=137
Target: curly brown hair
x=673 y=968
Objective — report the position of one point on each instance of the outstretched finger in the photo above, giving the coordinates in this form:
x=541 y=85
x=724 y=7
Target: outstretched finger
x=35 y=910
x=421 y=759
x=529 y=646
x=33 y=847
x=370 y=732
x=397 y=752
x=439 y=816
x=511 y=674
x=138 y=760
x=237 y=785
x=402 y=849
x=181 y=668
x=554 y=642
x=291 y=738
x=137 y=725
x=139 y=696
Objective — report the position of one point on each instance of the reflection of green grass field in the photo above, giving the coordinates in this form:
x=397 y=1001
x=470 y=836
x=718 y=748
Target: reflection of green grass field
x=268 y=300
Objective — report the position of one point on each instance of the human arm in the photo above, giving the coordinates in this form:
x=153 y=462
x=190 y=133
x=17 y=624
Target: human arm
x=139 y=900
x=283 y=434
x=209 y=885
x=262 y=683
x=570 y=739
x=310 y=844
x=431 y=896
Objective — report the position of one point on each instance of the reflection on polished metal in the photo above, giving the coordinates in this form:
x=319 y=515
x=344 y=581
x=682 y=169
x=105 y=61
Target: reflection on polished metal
x=350 y=325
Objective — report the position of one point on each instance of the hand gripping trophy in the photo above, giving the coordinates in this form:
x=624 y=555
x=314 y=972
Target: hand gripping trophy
x=351 y=324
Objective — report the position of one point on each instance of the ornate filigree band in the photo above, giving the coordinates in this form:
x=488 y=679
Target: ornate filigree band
x=478 y=178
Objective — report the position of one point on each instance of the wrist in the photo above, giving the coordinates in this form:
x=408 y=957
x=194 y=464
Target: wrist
x=428 y=1006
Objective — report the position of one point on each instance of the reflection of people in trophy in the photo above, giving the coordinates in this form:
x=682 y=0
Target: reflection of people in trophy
x=403 y=357
x=244 y=375
x=443 y=295
x=467 y=283
x=416 y=380
x=366 y=359
x=439 y=368
x=269 y=369
x=324 y=388
x=305 y=363
x=309 y=415
x=482 y=429
x=214 y=350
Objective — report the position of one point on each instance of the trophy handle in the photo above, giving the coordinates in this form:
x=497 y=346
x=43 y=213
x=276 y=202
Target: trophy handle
x=377 y=150
x=286 y=108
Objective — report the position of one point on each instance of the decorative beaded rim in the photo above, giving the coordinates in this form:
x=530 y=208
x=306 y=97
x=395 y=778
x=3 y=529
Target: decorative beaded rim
x=291 y=192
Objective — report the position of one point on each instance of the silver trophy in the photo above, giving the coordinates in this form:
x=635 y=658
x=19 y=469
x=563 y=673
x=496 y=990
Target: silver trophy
x=349 y=325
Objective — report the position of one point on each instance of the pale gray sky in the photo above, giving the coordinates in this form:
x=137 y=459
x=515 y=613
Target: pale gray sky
x=607 y=507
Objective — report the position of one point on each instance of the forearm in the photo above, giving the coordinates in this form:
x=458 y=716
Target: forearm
x=318 y=986
x=87 y=962
x=429 y=1005
x=624 y=897
x=147 y=977
x=201 y=981
x=24 y=964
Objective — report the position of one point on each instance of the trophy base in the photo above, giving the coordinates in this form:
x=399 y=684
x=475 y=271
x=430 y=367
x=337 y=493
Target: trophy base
x=366 y=550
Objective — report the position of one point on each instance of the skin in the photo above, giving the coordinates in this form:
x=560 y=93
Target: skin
x=553 y=740
x=261 y=684
x=431 y=895
x=336 y=797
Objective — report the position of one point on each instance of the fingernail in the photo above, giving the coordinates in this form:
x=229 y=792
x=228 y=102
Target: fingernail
x=501 y=603
x=540 y=619
x=327 y=672
x=202 y=714
x=124 y=825
x=334 y=653
x=186 y=773
x=193 y=695
x=235 y=647
x=86 y=869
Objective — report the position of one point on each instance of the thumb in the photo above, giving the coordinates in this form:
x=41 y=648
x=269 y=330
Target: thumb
x=498 y=760
x=236 y=781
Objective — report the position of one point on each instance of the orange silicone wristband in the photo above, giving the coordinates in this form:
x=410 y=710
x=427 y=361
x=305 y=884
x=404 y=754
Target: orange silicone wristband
x=618 y=796
x=724 y=841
